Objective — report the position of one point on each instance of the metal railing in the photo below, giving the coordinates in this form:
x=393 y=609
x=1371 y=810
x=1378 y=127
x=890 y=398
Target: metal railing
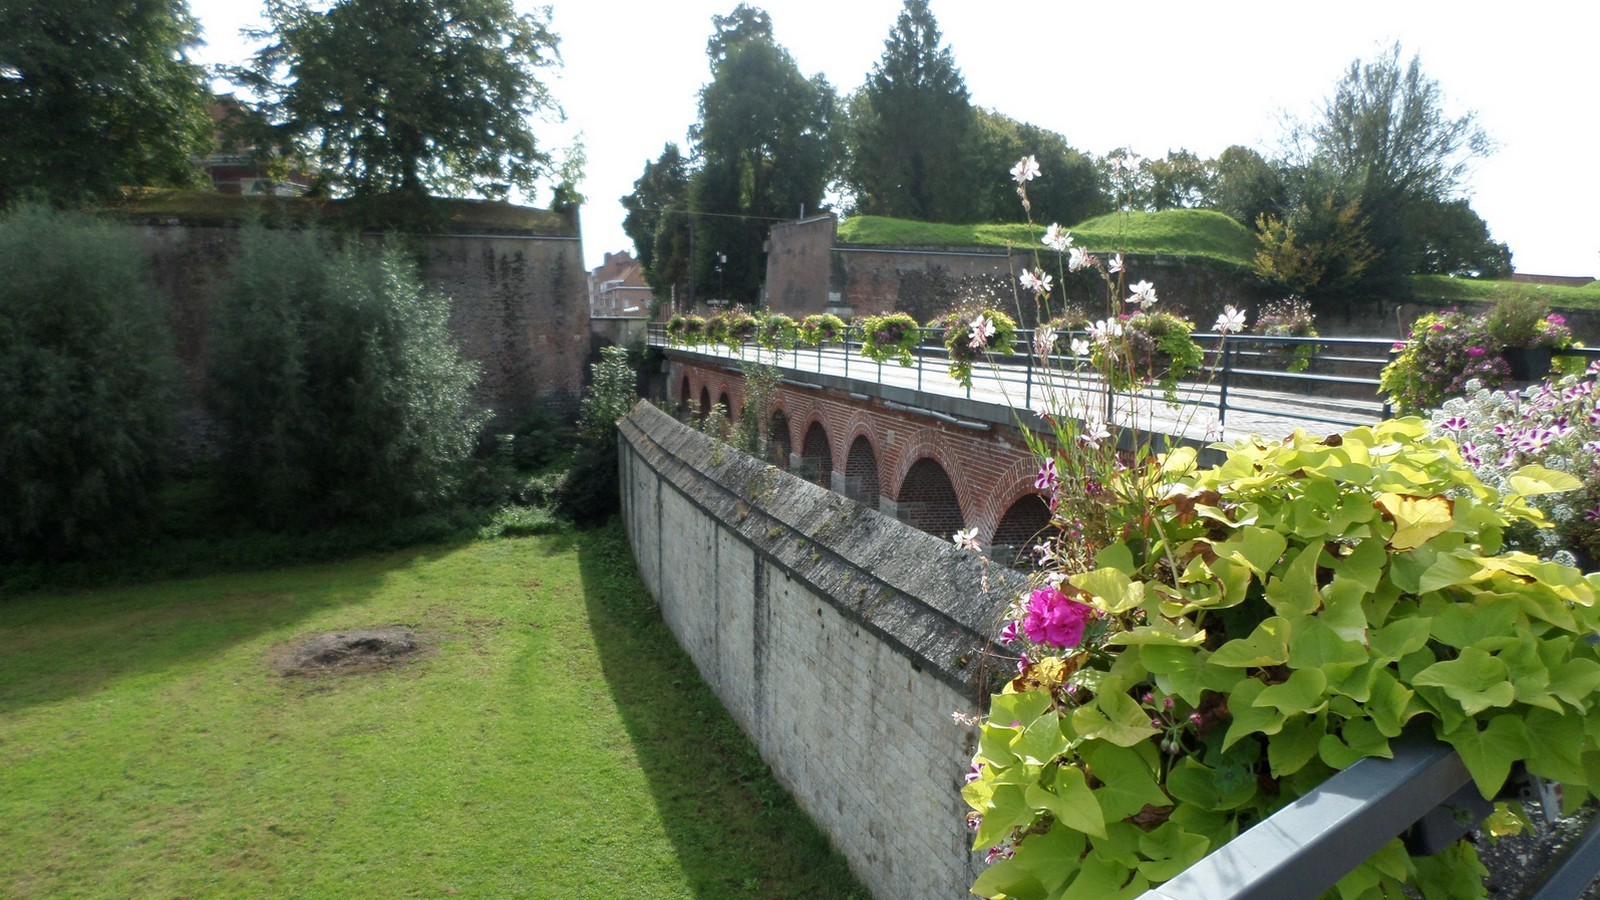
x=1241 y=374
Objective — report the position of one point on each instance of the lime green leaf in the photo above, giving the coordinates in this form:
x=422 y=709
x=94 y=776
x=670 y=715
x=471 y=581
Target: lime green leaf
x=1314 y=645
x=1247 y=717
x=1417 y=520
x=1400 y=637
x=1388 y=703
x=1258 y=548
x=1008 y=809
x=1113 y=717
x=1531 y=481
x=1070 y=801
x=1342 y=609
x=1127 y=782
x=1295 y=745
x=1043 y=865
x=1191 y=781
x=1575 y=682
x=1021 y=707
x=1268 y=645
x=1041 y=742
x=1466 y=624
x=1168 y=632
x=1115 y=591
x=1357 y=739
x=1295 y=592
x=1490 y=751
x=1306 y=691
x=1115 y=556
x=1557 y=754
x=1171 y=849
x=1102 y=879
x=1364 y=562
x=1475 y=679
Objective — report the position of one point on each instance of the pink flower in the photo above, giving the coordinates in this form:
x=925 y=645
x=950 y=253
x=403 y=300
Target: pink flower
x=1055 y=620
x=1008 y=634
x=1474 y=352
x=1048 y=478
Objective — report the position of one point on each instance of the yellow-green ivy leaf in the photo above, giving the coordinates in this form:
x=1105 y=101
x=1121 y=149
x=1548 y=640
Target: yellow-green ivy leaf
x=1070 y=801
x=1127 y=781
x=1102 y=879
x=1247 y=717
x=1171 y=849
x=1041 y=742
x=1295 y=591
x=1466 y=624
x=1557 y=754
x=1314 y=645
x=1008 y=809
x=1268 y=645
x=1531 y=481
x=1295 y=745
x=1575 y=682
x=1489 y=751
x=1305 y=692
x=1113 y=717
x=1114 y=592
x=1474 y=679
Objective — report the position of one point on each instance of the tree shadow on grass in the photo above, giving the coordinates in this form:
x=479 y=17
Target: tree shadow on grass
x=61 y=645
x=736 y=831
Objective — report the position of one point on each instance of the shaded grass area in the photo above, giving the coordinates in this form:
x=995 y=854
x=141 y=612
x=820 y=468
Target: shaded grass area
x=554 y=743
x=1177 y=232
x=1443 y=289
x=199 y=207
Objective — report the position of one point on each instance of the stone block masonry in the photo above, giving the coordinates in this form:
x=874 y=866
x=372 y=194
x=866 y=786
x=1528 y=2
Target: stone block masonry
x=839 y=639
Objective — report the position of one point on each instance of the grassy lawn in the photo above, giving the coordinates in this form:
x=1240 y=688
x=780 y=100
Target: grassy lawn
x=1178 y=232
x=555 y=742
x=1459 y=290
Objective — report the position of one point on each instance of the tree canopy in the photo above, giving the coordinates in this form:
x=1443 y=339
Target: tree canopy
x=412 y=96
x=658 y=219
x=911 y=128
x=764 y=149
x=97 y=95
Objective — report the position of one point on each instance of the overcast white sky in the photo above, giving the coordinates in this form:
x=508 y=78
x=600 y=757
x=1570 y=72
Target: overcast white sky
x=1154 y=76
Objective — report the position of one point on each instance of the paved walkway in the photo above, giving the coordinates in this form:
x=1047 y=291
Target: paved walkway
x=1011 y=384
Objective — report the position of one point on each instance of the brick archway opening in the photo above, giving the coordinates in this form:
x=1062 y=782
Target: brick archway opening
x=861 y=473
x=727 y=407
x=1019 y=529
x=928 y=500
x=705 y=403
x=683 y=396
x=779 y=444
x=816 y=458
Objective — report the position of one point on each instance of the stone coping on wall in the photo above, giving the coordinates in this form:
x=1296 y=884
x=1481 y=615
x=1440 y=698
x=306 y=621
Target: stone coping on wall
x=934 y=603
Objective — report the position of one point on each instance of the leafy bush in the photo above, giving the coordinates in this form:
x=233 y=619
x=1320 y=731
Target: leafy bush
x=589 y=494
x=889 y=336
x=778 y=332
x=1154 y=347
x=732 y=327
x=338 y=383
x=86 y=378
x=1253 y=628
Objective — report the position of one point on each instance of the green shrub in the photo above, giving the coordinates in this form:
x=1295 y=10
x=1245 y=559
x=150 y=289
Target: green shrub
x=339 y=385
x=86 y=377
x=589 y=494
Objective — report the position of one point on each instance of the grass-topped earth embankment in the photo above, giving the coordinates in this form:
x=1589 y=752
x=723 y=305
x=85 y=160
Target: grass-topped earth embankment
x=1174 y=232
x=550 y=741
x=1443 y=289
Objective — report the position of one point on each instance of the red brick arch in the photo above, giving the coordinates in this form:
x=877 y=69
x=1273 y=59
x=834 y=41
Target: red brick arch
x=1012 y=485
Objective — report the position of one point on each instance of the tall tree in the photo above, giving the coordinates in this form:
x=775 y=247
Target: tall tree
x=658 y=220
x=96 y=95
x=412 y=96
x=911 y=128
x=1067 y=192
x=1386 y=139
x=1246 y=185
x=764 y=150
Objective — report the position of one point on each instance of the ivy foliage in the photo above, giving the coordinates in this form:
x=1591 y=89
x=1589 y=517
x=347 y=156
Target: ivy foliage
x=1155 y=348
x=822 y=328
x=1268 y=622
x=967 y=347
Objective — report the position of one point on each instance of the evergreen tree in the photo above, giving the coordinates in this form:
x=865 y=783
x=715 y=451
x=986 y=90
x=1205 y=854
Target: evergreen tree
x=658 y=221
x=912 y=129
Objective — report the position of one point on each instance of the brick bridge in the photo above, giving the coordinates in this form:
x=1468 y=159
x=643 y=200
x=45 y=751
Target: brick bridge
x=920 y=449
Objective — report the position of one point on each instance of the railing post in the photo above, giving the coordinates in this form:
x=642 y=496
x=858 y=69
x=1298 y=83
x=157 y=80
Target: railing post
x=1222 y=380
x=1027 y=387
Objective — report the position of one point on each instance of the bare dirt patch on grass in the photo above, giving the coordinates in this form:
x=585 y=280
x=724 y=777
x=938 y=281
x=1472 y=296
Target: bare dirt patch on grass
x=352 y=652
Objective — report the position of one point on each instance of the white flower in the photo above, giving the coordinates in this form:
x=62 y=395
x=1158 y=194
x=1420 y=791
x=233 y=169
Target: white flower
x=1094 y=432
x=1115 y=265
x=1231 y=320
x=966 y=539
x=1077 y=259
x=1080 y=347
x=1026 y=170
x=1056 y=238
x=1105 y=329
x=1144 y=294
x=1036 y=280
x=1044 y=341
x=982 y=330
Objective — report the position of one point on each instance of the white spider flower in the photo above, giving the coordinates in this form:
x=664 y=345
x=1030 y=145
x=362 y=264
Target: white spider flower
x=1230 y=321
x=1144 y=294
x=1056 y=238
x=1026 y=170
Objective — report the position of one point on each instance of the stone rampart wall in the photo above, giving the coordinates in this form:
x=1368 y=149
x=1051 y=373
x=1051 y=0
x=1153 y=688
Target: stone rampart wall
x=839 y=639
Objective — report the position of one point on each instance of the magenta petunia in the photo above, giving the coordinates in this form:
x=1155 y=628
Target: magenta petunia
x=1055 y=620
